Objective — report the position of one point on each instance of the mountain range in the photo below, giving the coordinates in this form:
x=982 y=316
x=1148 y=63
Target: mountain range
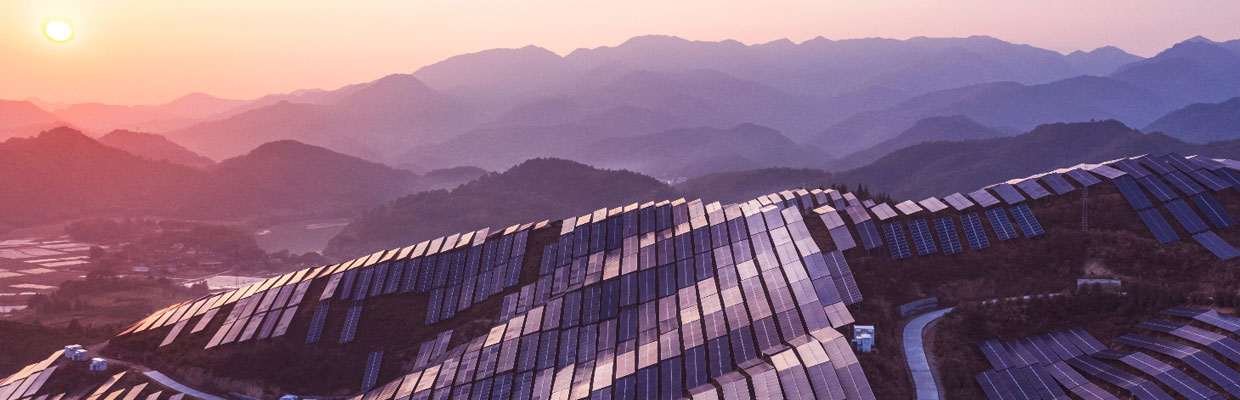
x=62 y=174
x=855 y=100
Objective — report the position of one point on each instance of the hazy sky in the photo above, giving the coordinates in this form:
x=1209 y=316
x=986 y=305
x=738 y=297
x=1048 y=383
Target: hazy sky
x=150 y=51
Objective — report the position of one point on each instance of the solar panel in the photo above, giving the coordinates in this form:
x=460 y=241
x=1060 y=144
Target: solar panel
x=1183 y=183
x=894 y=232
x=998 y=356
x=908 y=207
x=869 y=235
x=1008 y=193
x=373 y=360
x=1083 y=178
x=883 y=212
x=933 y=205
x=1216 y=245
x=1209 y=180
x=841 y=272
x=1178 y=161
x=1158 y=226
x=1186 y=216
x=1028 y=223
x=316 y=324
x=1160 y=190
x=983 y=198
x=922 y=239
x=1057 y=183
x=1131 y=168
x=958 y=201
x=973 y=231
x=1206 y=162
x=1132 y=192
x=948 y=237
x=1033 y=189
x=1105 y=171
x=1230 y=176
x=1214 y=211
x=350 y=324
x=1158 y=166
x=1000 y=223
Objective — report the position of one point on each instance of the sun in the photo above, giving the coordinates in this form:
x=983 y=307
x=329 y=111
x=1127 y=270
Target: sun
x=58 y=30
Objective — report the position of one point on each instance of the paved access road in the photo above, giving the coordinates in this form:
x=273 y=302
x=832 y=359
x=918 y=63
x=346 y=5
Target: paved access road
x=915 y=353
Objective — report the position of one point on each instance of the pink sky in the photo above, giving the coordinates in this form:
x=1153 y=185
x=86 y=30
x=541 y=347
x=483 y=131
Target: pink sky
x=152 y=51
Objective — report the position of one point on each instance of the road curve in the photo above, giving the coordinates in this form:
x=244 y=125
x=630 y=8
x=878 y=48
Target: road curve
x=915 y=354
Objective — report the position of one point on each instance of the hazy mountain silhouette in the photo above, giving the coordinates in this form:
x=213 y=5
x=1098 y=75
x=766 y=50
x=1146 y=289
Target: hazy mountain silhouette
x=179 y=113
x=62 y=173
x=1195 y=70
x=534 y=190
x=23 y=118
x=1004 y=105
x=952 y=128
x=1202 y=122
x=684 y=153
x=1100 y=61
x=739 y=186
x=371 y=121
x=154 y=147
x=939 y=168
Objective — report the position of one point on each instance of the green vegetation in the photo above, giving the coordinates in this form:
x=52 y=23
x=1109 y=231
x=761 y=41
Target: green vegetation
x=106 y=300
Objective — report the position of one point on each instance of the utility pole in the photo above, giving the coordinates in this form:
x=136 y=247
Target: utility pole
x=1085 y=209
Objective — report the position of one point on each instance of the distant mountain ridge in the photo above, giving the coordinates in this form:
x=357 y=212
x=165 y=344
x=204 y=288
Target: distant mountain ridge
x=1201 y=122
x=154 y=147
x=940 y=168
x=62 y=174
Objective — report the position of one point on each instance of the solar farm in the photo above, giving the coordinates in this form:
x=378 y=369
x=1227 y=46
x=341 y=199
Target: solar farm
x=674 y=299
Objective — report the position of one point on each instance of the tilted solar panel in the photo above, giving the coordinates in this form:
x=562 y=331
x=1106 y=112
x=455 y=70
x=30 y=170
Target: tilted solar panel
x=973 y=231
x=1183 y=183
x=933 y=205
x=894 y=233
x=316 y=324
x=1158 y=225
x=1209 y=180
x=983 y=198
x=869 y=235
x=1033 y=189
x=1009 y=193
x=1160 y=190
x=1028 y=223
x=1157 y=165
x=958 y=201
x=1105 y=171
x=1214 y=211
x=1178 y=161
x=1216 y=245
x=1131 y=168
x=1057 y=183
x=946 y=228
x=371 y=375
x=1000 y=223
x=922 y=239
x=1186 y=216
x=908 y=207
x=1083 y=177
x=1132 y=192
x=350 y=324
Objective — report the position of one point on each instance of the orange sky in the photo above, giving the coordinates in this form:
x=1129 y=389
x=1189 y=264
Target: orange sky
x=151 y=51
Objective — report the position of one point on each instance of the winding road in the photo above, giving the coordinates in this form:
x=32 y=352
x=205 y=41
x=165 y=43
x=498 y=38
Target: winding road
x=915 y=353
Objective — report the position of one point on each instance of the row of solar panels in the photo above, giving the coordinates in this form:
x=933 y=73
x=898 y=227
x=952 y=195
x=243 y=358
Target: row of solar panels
x=1194 y=179
x=666 y=329
x=17 y=387
x=1021 y=366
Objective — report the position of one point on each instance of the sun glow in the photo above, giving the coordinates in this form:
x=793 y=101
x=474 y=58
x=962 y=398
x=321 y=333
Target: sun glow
x=58 y=30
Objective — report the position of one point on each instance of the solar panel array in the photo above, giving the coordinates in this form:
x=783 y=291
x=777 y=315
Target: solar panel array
x=1028 y=223
x=1000 y=223
x=1172 y=179
x=896 y=244
x=922 y=239
x=684 y=295
x=946 y=228
x=31 y=383
x=1020 y=366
